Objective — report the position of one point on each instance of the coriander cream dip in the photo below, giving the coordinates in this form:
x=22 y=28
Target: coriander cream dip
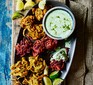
x=59 y=23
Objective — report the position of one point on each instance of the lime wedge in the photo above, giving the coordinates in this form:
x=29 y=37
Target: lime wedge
x=16 y=15
x=57 y=81
x=47 y=81
x=42 y=4
x=19 y=5
x=54 y=75
x=29 y=4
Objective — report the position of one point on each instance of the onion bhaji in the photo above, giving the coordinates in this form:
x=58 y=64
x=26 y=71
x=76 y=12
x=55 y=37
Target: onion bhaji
x=38 y=47
x=46 y=43
x=31 y=29
x=37 y=65
x=39 y=13
x=33 y=80
x=24 y=47
x=50 y=44
x=35 y=42
x=27 y=21
x=36 y=32
x=16 y=82
x=20 y=68
x=31 y=24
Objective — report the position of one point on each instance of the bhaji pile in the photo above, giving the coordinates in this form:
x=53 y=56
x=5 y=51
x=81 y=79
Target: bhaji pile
x=30 y=70
x=32 y=49
x=32 y=24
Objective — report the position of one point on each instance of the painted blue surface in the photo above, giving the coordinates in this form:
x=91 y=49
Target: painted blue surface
x=5 y=40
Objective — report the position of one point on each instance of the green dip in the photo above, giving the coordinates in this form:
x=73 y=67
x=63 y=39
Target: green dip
x=59 y=23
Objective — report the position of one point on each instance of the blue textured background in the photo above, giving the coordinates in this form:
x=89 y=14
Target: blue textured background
x=5 y=40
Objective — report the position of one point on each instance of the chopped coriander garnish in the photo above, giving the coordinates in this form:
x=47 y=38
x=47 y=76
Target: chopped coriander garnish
x=58 y=16
x=51 y=23
x=64 y=18
x=68 y=27
x=55 y=26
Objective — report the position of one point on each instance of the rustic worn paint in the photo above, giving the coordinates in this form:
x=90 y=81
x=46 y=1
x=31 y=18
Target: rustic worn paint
x=5 y=40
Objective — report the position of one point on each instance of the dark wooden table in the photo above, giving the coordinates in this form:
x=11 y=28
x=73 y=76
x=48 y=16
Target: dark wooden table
x=81 y=72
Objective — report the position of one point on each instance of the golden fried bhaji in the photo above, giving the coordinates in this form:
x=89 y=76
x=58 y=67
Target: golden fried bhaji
x=31 y=26
x=20 y=68
x=17 y=83
x=39 y=13
x=31 y=71
x=27 y=21
x=31 y=29
x=36 y=32
x=37 y=65
x=33 y=80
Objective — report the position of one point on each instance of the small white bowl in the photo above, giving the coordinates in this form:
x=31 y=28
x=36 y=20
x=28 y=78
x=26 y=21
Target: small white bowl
x=66 y=9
